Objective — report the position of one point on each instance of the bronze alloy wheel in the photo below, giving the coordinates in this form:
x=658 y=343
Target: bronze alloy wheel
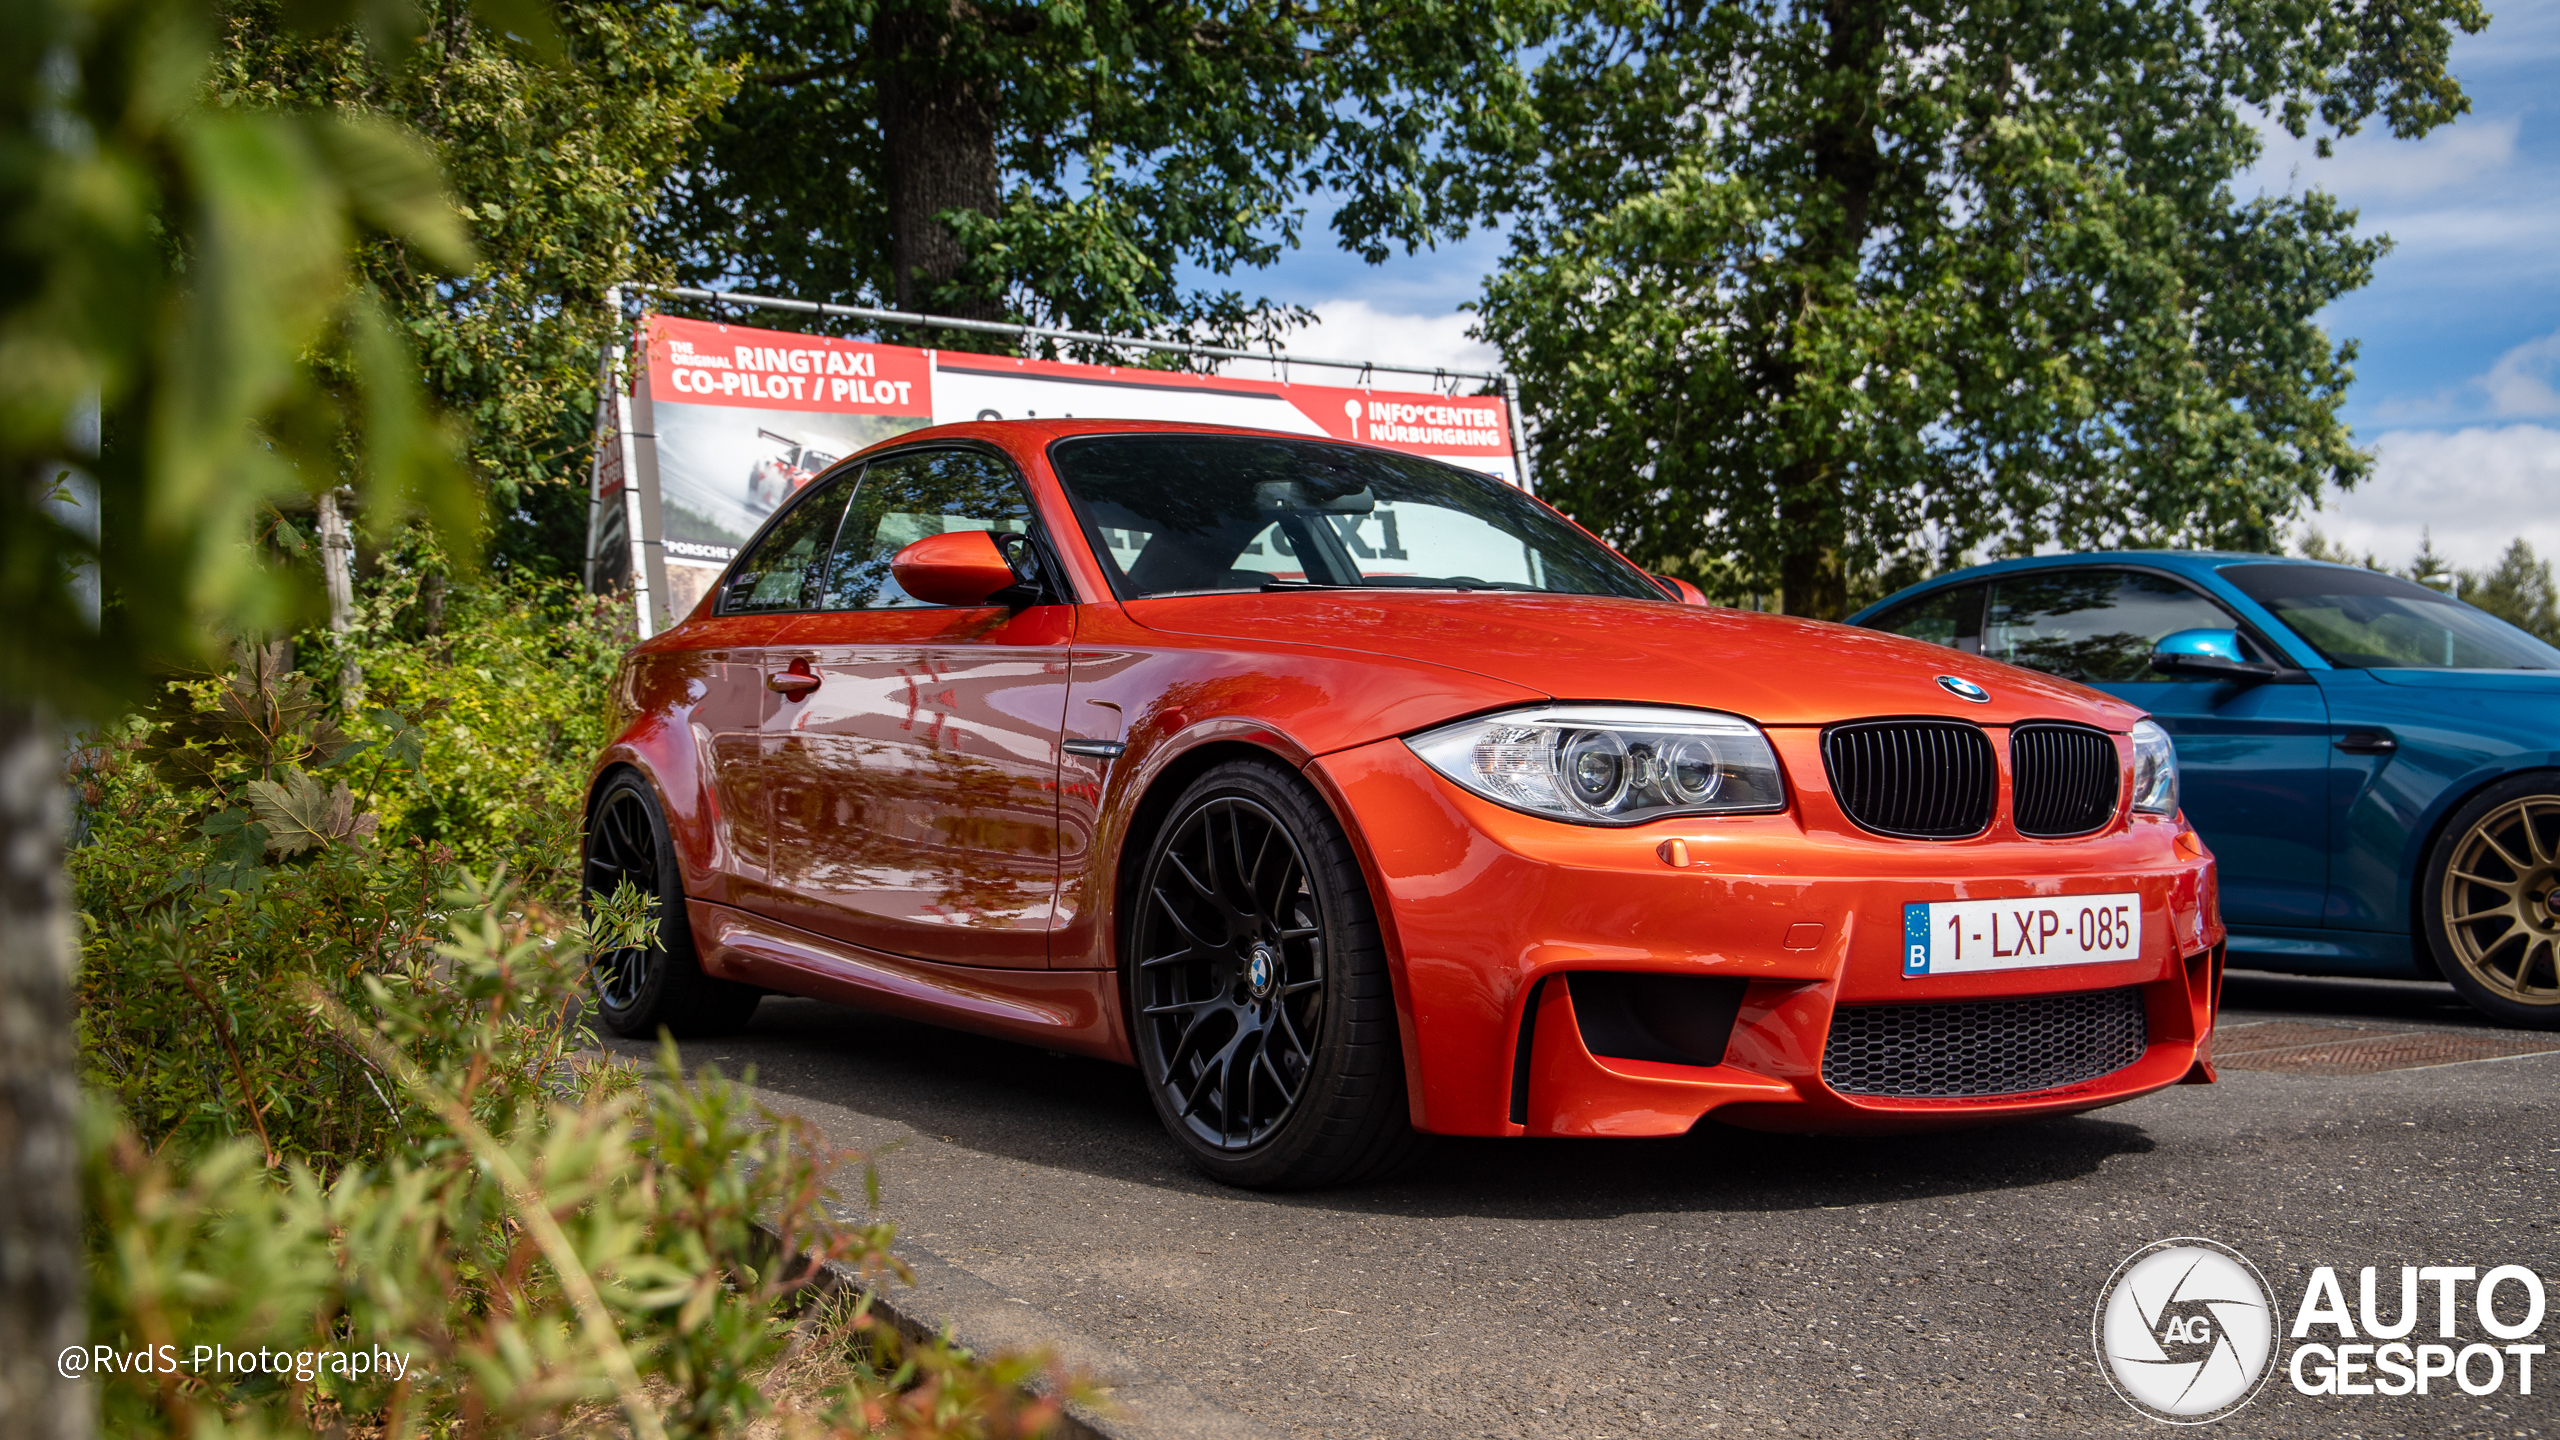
x=2496 y=899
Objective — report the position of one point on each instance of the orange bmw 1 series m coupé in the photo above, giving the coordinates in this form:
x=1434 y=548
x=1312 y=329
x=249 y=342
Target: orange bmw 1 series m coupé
x=1351 y=796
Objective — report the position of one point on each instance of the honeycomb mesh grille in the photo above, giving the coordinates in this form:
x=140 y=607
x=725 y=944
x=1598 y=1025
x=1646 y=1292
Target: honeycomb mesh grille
x=1916 y=779
x=2063 y=779
x=1983 y=1047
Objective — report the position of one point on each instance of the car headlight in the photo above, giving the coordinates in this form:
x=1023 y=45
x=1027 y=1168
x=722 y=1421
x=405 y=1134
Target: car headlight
x=2155 y=770
x=1609 y=764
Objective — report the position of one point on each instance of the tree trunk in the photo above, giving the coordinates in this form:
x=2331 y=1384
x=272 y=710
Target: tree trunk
x=939 y=138
x=1847 y=165
x=40 y=1272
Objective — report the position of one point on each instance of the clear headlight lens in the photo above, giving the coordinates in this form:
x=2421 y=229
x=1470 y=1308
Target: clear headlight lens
x=1610 y=764
x=2155 y=770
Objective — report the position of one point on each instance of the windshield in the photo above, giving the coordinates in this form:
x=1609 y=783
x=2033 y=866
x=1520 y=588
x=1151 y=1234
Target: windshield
x=2361 y=620
x=1193 y=514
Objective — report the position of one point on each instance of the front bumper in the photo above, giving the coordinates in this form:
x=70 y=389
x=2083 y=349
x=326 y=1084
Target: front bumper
x=1800 y=911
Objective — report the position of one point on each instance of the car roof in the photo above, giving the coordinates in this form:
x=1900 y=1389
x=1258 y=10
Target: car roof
x=2197 y=564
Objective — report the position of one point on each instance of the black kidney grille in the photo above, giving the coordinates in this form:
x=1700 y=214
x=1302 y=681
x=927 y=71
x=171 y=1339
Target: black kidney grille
x=1983 y=1047
x=1918 y=779
x=2063 y=779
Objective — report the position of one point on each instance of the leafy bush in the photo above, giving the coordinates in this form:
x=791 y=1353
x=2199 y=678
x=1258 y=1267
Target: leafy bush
x=345 y=1101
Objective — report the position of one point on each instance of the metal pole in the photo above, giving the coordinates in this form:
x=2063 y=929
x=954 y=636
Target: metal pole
x=620 y=393
x=1519 y=436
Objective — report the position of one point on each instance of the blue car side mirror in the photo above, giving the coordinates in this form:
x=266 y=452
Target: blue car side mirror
x=2207 y=655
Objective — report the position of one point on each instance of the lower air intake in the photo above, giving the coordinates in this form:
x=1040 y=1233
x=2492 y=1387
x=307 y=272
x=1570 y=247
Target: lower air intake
x=1983 y=1047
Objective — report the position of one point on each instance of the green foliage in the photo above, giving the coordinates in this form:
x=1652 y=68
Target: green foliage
x=2518 y=590
x=482 y=706
x=186 y=269
x=1800 y=292
x=427 y=1264
x=349 y=1102
x=1079 y=155
x=552 y=166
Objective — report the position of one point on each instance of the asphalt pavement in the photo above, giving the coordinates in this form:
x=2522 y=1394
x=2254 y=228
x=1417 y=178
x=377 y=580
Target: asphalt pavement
x=1728 y=1282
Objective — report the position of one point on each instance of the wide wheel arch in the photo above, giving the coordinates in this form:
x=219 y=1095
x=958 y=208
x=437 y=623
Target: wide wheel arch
x=1155 y=806
x=2422 y=946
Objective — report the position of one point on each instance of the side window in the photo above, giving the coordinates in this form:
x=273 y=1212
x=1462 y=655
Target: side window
x=1951 y=617
x=2095 y=626
x=903 y=499
x=782 y=570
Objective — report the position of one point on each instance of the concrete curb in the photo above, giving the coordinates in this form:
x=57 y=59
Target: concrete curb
x=1140 y=1402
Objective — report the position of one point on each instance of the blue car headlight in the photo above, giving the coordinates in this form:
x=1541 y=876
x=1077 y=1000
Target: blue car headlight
x=1609 y=764
x=2155 y=771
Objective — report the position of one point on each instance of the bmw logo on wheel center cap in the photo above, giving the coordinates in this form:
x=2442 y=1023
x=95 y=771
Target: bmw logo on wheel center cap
x=1964 y=689
x=1257 y=971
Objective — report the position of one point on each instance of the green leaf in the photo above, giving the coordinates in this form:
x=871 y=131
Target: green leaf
x=299 y=815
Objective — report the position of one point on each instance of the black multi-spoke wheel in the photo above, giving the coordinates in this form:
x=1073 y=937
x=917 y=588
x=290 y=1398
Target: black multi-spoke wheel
x=2492 y=897
x=641 y=989
x=1258 y=987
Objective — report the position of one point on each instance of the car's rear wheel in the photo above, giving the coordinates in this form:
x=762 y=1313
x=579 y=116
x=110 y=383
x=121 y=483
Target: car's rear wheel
x=2492 y=901
x=1258 y=988
x=641 y=989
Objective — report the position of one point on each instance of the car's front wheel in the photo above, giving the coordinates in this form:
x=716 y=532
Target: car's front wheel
x=1258 y=988
x=2492 y=901
x=640 y=989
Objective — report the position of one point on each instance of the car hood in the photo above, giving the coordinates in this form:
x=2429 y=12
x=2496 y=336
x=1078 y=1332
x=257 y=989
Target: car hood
x=2518 y=682
x=1775 y=669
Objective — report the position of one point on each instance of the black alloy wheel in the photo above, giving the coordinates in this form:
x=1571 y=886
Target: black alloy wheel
x=2491 y=900
x=640 y=990
x=1258 y=988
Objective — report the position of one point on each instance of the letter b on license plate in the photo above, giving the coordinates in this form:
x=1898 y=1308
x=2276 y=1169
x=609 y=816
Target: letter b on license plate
x=1954 y=937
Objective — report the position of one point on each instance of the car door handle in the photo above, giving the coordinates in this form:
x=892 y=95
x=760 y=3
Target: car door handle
x=791 y=682
x=2367 y=742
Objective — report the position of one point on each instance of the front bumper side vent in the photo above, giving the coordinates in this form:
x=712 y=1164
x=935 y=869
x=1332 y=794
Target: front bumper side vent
x=1672 y=1019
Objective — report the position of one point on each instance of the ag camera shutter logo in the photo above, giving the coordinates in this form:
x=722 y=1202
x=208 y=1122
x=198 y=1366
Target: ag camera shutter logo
x=2185 y=1330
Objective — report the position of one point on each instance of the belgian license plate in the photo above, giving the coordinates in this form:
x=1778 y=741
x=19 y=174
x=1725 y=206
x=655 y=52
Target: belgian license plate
x=1956 y=937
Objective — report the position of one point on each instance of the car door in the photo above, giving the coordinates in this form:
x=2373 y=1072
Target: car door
x=914 y=787
x=2253 y=759
x=764 y=592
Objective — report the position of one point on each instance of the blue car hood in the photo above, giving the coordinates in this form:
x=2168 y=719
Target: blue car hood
x=2525 y=682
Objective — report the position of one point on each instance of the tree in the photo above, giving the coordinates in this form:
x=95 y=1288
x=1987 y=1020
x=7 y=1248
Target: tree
x=556 y=161
x=1802 y=290
x=1059 y=163
x=2519 y=591
x=183 y=275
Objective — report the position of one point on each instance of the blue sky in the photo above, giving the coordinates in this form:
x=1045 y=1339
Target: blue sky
x=2458 y=386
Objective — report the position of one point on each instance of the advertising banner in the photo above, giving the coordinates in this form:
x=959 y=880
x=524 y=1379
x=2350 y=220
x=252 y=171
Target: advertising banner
x=726 y=421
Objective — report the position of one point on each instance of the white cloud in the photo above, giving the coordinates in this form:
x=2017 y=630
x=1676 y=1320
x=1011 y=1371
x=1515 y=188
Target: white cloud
x=1357 y=330
x=2473 y=491
x=2520 y=383
x=2372 y=165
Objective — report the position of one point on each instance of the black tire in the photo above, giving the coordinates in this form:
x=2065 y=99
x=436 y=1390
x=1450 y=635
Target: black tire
x=2489 y=901
x=1284 y=1077
x=641 y=992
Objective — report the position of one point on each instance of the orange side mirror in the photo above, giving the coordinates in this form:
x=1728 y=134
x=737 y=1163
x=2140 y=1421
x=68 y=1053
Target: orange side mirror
x=960 y=567
x=1687 y=593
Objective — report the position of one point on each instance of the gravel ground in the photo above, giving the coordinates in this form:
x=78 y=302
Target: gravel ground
x=1725 y=1283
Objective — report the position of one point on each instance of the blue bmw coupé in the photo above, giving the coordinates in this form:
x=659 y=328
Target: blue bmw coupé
x=2375 y=764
